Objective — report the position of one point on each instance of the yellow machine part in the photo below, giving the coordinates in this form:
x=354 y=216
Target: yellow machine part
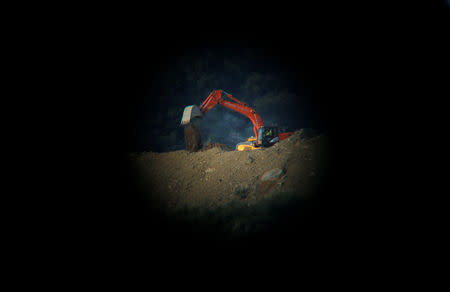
x=244 y=147
x=247 y=145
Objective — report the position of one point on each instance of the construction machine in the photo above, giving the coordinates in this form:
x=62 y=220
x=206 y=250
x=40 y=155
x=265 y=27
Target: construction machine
x=264 y=136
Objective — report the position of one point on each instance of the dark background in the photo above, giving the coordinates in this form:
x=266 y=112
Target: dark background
x=285 y=78
x=278 y=82
x=348 y=72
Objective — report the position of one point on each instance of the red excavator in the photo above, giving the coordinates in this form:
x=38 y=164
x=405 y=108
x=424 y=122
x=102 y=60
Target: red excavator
x=264 y=136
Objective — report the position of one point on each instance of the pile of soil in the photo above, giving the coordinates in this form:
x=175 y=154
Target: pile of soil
x=217 y=176
x=216 y=145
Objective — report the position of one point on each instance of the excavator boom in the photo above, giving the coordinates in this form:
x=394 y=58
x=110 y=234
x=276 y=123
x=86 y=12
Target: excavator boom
x=217 y=97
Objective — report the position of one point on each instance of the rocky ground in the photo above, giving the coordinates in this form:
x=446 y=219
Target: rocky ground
x=217 y=180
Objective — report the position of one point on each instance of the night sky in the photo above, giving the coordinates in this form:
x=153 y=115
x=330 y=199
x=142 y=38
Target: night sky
x=282 y=83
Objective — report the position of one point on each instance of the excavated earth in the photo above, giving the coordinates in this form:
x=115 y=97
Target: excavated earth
x=217 y=178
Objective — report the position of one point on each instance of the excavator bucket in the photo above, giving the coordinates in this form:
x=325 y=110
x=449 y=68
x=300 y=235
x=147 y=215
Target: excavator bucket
x=192 y=134
x=190 y=112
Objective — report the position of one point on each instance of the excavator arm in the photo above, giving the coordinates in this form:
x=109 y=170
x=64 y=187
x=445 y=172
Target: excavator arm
x=217 y=97
x=264 y=136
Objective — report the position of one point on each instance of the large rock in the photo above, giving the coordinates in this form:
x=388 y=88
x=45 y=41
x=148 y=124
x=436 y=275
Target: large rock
x=272 y=174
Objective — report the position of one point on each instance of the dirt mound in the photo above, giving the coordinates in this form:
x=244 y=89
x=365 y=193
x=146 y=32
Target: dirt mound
x=216 y=145
x=216 y=179
x=210 y=176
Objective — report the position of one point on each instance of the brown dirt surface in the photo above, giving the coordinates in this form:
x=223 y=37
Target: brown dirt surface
x=216 y=177
x=218 y=145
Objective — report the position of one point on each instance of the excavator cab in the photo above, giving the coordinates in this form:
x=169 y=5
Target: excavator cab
x=267 y=136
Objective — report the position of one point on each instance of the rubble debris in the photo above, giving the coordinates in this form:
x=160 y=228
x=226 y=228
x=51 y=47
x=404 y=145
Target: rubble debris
x=192 y=137
x=218 y=145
